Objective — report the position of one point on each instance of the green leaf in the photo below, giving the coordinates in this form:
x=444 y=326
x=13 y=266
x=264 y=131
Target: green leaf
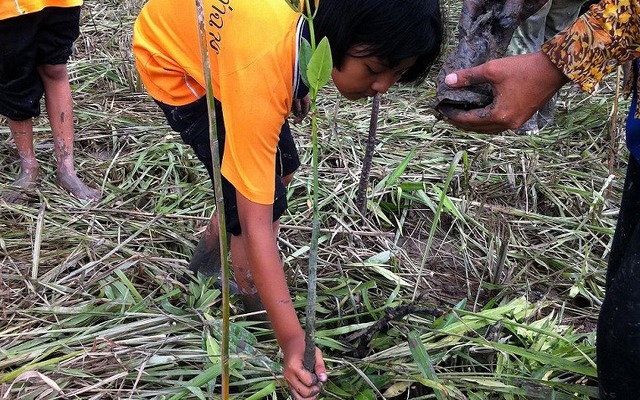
x=320 y=66
x=213 y=349
x=303 y=60
x=400 y=169
x=269 y=390
x=197 y=392
x=425 y=365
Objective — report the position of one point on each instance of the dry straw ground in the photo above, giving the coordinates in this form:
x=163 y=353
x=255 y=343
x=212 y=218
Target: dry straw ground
x=478 y=277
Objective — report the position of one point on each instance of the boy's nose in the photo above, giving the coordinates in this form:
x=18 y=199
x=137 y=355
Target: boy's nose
x=384 y=82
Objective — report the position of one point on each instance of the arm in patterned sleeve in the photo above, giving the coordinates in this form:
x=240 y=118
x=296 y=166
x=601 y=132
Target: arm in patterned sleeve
x=607 y=35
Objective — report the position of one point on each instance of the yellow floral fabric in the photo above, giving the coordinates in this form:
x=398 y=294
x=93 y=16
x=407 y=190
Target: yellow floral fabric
x=603 y=38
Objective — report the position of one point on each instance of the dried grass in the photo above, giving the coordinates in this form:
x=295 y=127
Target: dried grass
x=92 y=305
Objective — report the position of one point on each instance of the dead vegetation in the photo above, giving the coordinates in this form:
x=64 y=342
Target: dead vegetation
x=508 y=240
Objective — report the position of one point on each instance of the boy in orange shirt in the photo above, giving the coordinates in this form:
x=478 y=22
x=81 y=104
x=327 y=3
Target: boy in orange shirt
x=253 y=48
x=37 y=36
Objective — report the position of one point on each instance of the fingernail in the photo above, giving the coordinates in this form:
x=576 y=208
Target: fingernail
x=451 y=79
x=322 y=377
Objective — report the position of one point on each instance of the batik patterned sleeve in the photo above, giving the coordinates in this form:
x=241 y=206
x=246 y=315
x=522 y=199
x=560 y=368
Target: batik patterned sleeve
x=604 y=37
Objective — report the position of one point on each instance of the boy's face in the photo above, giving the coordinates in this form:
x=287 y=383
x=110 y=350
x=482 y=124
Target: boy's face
x=365 y=76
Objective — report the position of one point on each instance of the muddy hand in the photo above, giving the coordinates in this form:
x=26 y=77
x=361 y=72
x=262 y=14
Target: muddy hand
x=303 y=385
x=485 y=30
x=522 y=84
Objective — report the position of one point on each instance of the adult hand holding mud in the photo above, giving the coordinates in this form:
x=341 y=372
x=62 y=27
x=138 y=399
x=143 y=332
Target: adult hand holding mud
x=485 y=29
x=520 y=85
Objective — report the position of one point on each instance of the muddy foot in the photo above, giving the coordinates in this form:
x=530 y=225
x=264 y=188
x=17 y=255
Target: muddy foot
x=71 y=183
x=206 y=257
x=25 y=182
x=206 y=261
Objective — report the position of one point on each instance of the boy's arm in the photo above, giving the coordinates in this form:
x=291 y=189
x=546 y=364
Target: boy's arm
x=268 y=275
x=266 y=267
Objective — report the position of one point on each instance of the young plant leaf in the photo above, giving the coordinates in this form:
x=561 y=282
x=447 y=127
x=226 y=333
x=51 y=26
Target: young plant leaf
x=320 y=66
x=303 y=60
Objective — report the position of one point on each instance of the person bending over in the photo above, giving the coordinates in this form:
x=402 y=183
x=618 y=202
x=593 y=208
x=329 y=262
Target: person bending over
x=253 y=48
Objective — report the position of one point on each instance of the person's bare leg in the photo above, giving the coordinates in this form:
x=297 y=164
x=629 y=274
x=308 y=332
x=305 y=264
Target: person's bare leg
x=59 y=106
x=206 y=256
x=206 y=259
x=22 y=133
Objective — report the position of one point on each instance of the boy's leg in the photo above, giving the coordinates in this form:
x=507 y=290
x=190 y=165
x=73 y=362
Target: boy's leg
x=22 y=133
x=242 y=273
x=206 y=256
x=20 y=93
x=60 y=111
x=561 y=14
x=192 y=121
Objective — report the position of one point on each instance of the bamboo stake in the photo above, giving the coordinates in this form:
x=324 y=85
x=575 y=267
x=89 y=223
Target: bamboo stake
x=219 y=199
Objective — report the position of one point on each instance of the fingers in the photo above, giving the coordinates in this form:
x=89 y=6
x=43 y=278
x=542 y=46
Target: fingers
x=483 y=120
x=300 y=391
x=466 y=77
x=320 y=370
x=303 y=384
x=300 y=109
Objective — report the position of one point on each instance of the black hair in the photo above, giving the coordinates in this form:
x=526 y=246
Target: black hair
x=392 y=30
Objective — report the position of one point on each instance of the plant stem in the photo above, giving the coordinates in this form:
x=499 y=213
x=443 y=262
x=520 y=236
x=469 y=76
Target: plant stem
x=310 y=347
x=219 y=199
x=309 y=360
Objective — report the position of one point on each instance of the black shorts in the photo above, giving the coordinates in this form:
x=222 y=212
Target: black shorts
x=28 y=41
x=192 y=121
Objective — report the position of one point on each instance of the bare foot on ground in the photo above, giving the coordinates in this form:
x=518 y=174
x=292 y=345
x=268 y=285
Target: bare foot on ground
x=26 y=180
x=71 y=183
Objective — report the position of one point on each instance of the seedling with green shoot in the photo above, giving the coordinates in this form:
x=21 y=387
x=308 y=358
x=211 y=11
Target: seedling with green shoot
x=315 y=67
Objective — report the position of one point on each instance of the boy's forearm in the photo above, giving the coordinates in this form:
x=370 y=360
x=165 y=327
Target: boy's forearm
x=267 y=270
x=268 y=275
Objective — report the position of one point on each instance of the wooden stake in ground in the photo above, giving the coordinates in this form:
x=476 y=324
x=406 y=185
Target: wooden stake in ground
x=361 y=196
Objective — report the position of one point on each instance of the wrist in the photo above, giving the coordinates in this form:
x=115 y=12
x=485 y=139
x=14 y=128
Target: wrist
x=552 y=72
x=291 y=341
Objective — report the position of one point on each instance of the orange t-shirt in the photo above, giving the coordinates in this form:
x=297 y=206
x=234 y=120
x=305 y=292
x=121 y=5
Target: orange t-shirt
x=252 y=49
x=14 y=8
